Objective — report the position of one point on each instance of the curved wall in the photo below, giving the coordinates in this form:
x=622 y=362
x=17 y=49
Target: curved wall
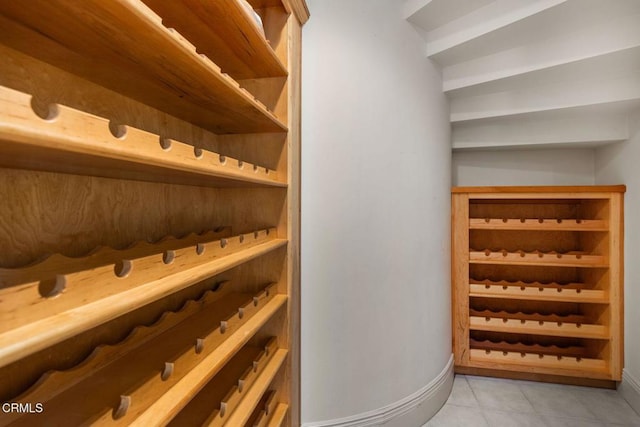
x=376 y=174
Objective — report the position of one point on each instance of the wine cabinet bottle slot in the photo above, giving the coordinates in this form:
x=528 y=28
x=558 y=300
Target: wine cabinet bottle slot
x=59 y=265
x=140 y=362
x=233 y=42
x=517 y=347
x=538 y=292
x=567 y=259
x=558 y=318
x=245 y=408
x=220 y=397
x=544 y=224
x=78 y=142
x=551 y=362
x=149 y=278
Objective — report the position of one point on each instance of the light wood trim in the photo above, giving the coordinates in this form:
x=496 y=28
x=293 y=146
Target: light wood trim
x=177 y=397
x=80 y=143
x=535 y=327
x=558 y=364
x=571 y=259
x=548 y=224
x=299 y=8
x=244 y=410
x=547 y=197
x=544 y=189
x=122 y=45
x=292 y=383
x=57 y=319
x=535 y=293
x=460 y=277
x=224 y=31
x=616 y=286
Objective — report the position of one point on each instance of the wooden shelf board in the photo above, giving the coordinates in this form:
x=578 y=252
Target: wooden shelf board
x=80 y=143
x=279 y=415
x=548 y=350
x=225 y=32
x=176 y=398
x=224 y=392
x=545 y=317
x=535 y=224
x=243 y=412
x=563 y=189
x=596 y=368
x=133 y=367
x=264 y=410
x=127 y=370
x=47 y=269
x=147 y=394
x=533 y=327
x=540 y=293
x=210 y=309
x=56 y=319
x=122 y=45
x=550 y=260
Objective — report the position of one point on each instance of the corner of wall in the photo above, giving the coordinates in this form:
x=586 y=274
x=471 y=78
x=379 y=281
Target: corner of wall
x=630 y=390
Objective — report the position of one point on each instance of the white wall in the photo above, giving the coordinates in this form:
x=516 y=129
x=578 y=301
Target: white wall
x=618 y=164
x=376 y=174
x=524 y=167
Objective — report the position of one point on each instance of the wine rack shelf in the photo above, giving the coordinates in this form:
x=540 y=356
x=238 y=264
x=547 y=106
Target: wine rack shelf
x=559 y=224
x=537 y=291
x=140 y=58
x=56 y=138
x=537 y=282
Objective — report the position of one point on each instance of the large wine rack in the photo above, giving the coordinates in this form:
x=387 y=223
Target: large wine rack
x=150 y=180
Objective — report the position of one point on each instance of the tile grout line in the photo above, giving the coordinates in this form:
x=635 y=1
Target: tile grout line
x=484 y=417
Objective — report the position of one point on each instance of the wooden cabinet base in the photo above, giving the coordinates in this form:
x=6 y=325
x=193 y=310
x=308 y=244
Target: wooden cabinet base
x=531 y=376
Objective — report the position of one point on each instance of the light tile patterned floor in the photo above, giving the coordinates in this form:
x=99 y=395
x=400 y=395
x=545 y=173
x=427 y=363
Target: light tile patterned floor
x=493 y=402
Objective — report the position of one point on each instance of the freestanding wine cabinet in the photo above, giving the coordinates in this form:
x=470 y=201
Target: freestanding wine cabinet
x=538 y=282
x=149 y=224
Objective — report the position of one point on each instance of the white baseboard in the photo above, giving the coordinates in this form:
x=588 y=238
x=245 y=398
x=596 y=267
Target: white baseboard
x=630 y=390
x=413 y=410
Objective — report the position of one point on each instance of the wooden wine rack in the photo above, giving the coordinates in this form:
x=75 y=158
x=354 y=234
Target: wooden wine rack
x=150 y=180
x=537 y=282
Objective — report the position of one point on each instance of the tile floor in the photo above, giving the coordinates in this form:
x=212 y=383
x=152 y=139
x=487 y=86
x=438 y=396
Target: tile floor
x=493 y=402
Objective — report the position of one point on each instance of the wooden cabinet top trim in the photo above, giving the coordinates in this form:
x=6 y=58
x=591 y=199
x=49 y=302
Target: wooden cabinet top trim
x=543 y=189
